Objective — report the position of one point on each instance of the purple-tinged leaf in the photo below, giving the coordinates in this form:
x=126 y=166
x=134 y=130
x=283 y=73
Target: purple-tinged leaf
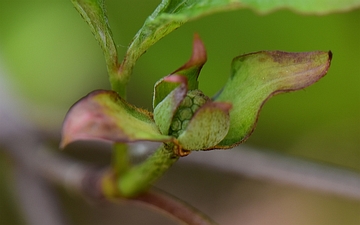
x=103 y=115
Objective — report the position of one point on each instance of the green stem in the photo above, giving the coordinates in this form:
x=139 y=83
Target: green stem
x=140 y=177
x=118 y=83
x=121 y=161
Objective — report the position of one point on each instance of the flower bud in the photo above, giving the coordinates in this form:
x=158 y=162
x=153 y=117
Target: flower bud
x=193 y=101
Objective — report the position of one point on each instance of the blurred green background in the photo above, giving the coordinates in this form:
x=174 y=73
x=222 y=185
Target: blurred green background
x=52 y=59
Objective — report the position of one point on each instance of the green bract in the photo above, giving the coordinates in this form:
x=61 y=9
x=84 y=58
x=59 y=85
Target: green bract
x=183 y=116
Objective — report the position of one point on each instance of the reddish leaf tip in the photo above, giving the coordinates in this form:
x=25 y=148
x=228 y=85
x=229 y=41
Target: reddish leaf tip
x=330 y=55
x=198 y=57
x=176 y=79
x=225 y=106
x=199 y=52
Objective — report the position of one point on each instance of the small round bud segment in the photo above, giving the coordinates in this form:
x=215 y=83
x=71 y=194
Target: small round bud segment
x=176 y=125
x=185 y=114
x=193 y=101
x=187 y=102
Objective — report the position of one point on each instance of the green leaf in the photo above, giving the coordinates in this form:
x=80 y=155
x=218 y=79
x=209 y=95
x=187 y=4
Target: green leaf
x=171 y=14
x=103 y=115
x=255 y=77
x=165 y=110
x=94 y=13
x=319 y=7
x=207 y=127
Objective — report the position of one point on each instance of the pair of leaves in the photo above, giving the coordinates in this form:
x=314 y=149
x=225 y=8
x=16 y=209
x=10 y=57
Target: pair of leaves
x=171 y=14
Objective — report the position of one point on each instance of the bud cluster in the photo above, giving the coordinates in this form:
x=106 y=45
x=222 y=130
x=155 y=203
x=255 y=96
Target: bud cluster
x=193 y=101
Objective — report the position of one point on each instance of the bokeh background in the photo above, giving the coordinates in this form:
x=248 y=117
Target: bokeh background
x=51 y=59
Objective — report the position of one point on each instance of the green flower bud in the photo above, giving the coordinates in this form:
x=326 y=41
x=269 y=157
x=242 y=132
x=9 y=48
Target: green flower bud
x=193 y=101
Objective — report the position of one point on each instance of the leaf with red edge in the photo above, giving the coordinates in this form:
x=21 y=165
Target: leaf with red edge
x=165 y=110
x=257 y=76
x=191 y=69
x=104 y=115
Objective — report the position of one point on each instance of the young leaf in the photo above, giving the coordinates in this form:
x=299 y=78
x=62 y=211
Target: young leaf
x=207 y=127
x=94 y=13
x=166 y=85
x=171 y=14
x=255 y=77
x=190 y=71
x=165 y=110
x=103 y=115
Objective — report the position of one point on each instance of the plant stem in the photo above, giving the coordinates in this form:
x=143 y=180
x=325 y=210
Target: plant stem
x=139 y=178
x=121 y=162
x=118 y=83
x=173 y=206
